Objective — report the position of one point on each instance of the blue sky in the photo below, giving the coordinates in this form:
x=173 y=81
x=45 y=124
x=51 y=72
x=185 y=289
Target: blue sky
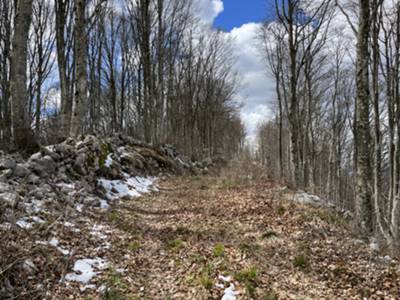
x=242 y=20
x=239 y=12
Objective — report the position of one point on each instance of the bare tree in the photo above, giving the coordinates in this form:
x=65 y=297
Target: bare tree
x=18 y=77
x=78 y=113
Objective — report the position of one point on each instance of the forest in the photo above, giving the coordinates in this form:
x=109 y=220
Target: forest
x=129 y=167
x=336 y=67
x=144 y=68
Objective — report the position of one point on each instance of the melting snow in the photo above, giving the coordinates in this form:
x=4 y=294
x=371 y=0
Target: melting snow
x=230 y=293
x=84 y=269
x=24 y=224
x=54 y=242
x=79 y=207
x=27 y=223
x=34 y=206
x=225 y=278
x=104 y=204
x=99 y=230
x=69 y=224
x=130 y=186
x=51 y=148
x=306 y=198
x=108 y=161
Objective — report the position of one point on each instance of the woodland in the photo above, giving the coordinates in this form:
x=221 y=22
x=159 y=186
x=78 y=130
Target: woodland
x=127 y=171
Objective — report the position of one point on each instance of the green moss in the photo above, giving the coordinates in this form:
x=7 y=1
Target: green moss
x=105 y=149
x=91 y=160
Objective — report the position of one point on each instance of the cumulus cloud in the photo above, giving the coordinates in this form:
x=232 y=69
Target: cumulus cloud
x=258 y=87
x=208 y=10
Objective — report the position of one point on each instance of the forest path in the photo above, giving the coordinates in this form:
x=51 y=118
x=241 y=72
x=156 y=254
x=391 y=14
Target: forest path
x=232 y=236
x=212 y=237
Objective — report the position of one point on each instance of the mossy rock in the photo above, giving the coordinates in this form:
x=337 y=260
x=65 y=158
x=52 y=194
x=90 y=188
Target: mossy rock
x=105 y=150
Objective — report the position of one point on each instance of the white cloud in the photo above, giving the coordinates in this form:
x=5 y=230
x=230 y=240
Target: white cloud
x=258 y=90
x=208 y=10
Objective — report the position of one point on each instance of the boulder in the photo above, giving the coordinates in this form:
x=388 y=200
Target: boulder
x=46 y=152
x=65 y=150
x=20 y=170
x=132 y=159
x=80 y=164
x=48 y=164
x=35 y=156
x=4 y=187
x=9 y=198
x=32 y=179
x=7 y=163
x=43 y=167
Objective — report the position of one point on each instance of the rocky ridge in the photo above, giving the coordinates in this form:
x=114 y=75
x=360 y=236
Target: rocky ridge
x=64 y=187
x=49 y=174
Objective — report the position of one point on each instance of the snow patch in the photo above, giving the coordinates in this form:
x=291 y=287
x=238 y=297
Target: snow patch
x=79 y=207
x=85 y=269
x=108 y=161
x=225 y=278
x=306 y=198
x=128 y=187
x=51 y=148
x=230 y=293
x=34 y=206
x=69 y=224
x=54 y=243
x=99 y=231
x=27 y=223
x=104 y=204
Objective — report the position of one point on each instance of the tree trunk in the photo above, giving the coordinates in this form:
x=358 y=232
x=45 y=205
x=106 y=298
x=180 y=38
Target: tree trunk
x=66 y=99
x=363 y=137
x=21 y=126
x=78 y=114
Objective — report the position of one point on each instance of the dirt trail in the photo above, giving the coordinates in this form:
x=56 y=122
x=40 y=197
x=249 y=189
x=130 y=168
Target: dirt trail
x=177 y=244
x=212 y=237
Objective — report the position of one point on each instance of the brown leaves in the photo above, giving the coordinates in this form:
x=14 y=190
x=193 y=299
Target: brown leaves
x=176 y=244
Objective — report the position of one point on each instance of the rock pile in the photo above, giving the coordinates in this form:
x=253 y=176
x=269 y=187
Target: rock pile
x=72 y=173
x=52 y=203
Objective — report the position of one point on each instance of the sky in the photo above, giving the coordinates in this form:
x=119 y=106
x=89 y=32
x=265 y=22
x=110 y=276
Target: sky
x=242 y=20
x=239 y=12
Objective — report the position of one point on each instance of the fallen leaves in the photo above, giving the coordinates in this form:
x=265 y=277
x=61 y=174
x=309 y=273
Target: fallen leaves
x=184 y=242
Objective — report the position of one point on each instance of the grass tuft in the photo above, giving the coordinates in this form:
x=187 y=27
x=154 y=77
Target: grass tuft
x=176 y=244
x=301 y=261
x=219 y=250
x=269 y=234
